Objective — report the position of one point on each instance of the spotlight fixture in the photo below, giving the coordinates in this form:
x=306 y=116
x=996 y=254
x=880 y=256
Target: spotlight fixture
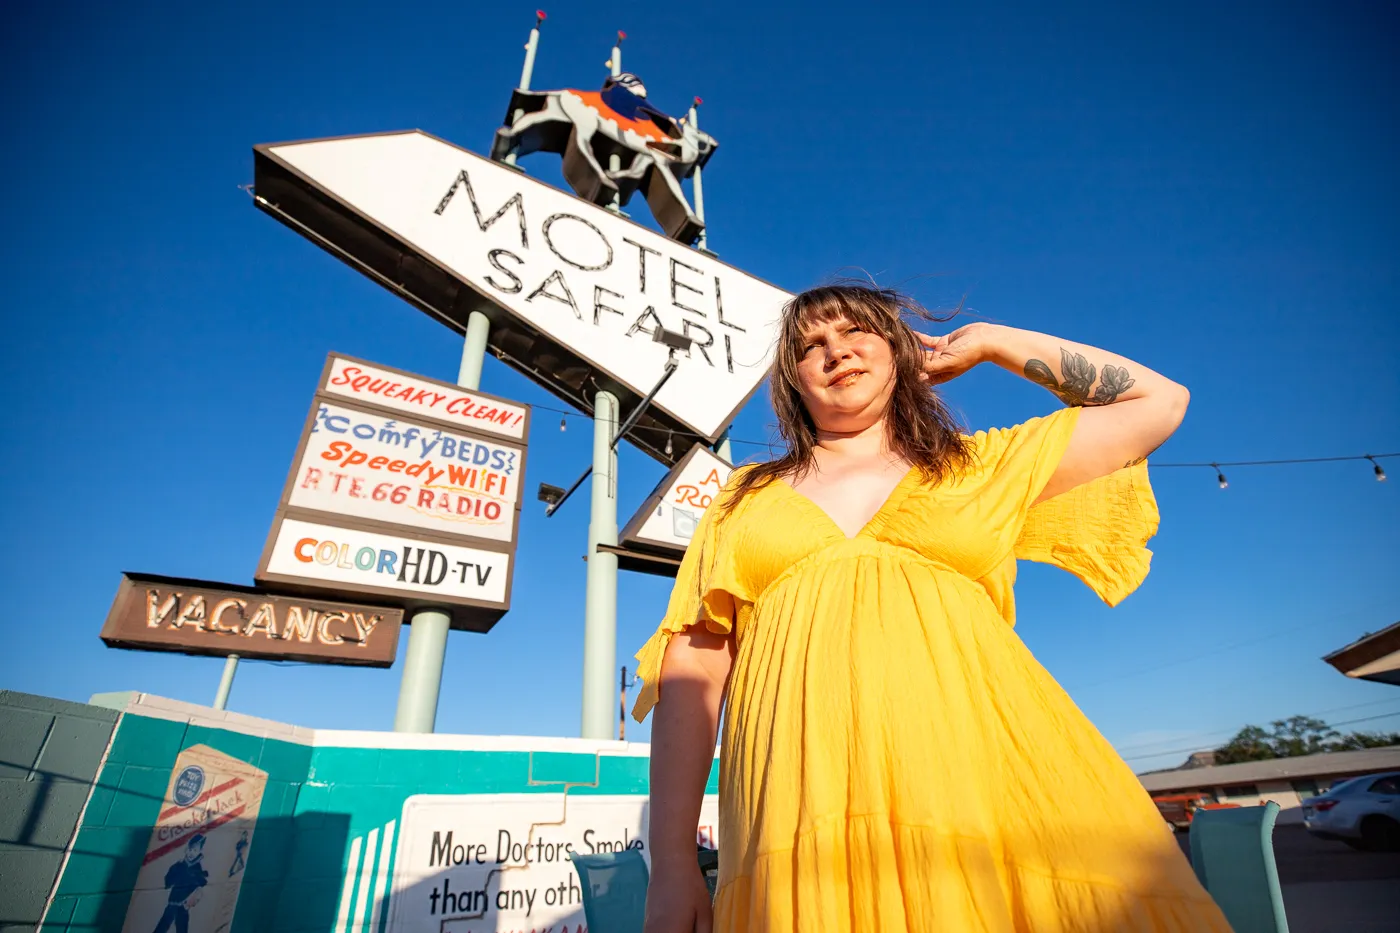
x=671 y=339
x=551 y=495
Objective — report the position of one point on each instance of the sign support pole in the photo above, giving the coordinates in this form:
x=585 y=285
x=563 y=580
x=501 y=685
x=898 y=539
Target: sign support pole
x=600 y=597
x=421 y=681
x=226 y=682
x=724 y=448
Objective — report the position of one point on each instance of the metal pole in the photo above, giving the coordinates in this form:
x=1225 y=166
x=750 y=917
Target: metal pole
x=700 y=244
x=723 y=447
x=422 y=672
x=226 y=682
x=614 y=160
x=622 y=707
x=474 y=351
x=427 y=628
x=600 y=597
x=527 y=72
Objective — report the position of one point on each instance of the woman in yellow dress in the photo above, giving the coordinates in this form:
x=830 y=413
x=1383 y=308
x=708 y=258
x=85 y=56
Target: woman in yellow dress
x=893 y=758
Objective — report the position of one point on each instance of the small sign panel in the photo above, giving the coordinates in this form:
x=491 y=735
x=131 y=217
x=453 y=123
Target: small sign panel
x=391 y=388
x=352 y=560
x=152 y=613
x=400 y=472
x=666 y=522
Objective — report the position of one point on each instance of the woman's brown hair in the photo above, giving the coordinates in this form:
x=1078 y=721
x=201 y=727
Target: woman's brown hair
x=919 y=427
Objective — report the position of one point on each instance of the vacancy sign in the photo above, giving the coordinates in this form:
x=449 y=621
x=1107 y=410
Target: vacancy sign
x=584 y=278
x=403 y=488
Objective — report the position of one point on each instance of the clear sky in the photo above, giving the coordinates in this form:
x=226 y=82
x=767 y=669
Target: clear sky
x=1207 y=188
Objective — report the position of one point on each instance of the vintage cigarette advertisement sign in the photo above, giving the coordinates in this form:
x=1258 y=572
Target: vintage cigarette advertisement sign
x=193 y=868
x=153 y=613
x=667 y=519
x=492 y=863
x=403 y=488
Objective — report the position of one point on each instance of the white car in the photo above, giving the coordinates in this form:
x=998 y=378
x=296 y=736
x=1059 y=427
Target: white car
x=1363 y=812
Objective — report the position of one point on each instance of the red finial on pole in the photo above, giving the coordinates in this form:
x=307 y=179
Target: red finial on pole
x=698 y=102
x=620 y=36
x=539 y=18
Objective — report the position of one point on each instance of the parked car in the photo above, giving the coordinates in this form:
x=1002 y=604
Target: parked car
x=1177 y=809
x=1363 y=812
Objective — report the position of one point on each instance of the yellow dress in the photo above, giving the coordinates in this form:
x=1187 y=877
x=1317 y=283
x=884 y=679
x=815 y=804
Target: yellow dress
x=893 y=758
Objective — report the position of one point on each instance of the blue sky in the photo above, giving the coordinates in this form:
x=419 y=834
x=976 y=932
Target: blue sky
x=1210 y=191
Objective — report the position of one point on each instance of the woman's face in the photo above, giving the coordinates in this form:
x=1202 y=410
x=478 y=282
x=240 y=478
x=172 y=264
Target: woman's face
x=845 y=376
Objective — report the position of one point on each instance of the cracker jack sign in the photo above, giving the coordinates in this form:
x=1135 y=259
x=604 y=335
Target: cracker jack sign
x=406 y=488
x=574 y=291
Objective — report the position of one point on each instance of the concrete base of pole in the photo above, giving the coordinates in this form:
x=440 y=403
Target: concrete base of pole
x=600 y=599
x=422 y=671
x=226 y=682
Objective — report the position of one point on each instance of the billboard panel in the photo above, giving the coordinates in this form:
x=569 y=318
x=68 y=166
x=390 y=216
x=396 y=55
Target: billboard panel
x=574 y=291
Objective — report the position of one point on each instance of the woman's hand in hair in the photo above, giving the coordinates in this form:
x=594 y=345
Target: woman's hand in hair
x=953 y=354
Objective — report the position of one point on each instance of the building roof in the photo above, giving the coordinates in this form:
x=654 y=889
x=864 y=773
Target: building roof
x=1276 y=769
x=1374 y=656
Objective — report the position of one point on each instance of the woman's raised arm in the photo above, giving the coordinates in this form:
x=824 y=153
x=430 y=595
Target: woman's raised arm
x=1131 y=409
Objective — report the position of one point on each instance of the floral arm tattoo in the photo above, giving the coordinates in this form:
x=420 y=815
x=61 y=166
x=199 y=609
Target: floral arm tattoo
x=1076 y=379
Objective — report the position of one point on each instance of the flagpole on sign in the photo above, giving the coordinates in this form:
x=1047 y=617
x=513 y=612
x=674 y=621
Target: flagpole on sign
x=421 y=682
x=615 y=160
x=527 y=72
x=703 y=243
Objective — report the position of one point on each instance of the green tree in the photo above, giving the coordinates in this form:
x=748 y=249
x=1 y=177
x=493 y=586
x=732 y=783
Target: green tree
x=1356 y=741
x=1302 y=735
x=1249 y=744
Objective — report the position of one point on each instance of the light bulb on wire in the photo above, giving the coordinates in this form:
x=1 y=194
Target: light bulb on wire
x=562 y=425
x=1220 y=477
x=1380 y=474
x=668 y=443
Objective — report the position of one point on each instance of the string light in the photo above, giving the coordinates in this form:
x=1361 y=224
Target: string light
x=1220 y=479
x=563 y=426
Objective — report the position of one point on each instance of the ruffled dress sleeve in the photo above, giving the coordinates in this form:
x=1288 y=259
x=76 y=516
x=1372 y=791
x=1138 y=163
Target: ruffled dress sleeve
x=1097 y=531
x=707 y=590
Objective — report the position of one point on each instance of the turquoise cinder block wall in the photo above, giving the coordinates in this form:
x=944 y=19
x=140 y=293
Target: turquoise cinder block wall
x=325 y=837
x=49 y=755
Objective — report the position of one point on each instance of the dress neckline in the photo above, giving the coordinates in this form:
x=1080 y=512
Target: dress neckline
x=876 y=521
